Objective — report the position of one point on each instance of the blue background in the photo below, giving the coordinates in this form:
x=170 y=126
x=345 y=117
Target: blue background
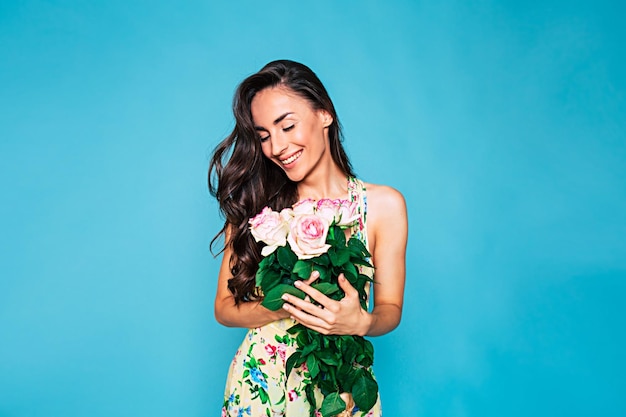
x=502 y=122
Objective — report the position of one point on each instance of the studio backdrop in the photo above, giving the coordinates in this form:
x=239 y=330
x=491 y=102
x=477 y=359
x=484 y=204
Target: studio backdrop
x=501 y=122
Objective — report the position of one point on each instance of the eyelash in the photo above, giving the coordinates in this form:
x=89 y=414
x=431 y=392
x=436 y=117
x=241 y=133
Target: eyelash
x=287 y=129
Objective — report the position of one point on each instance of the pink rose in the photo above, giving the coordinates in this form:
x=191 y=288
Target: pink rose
x=270 y=228
x=304 y=207
x=307 y=236
x=328 y=209
x=348 y=213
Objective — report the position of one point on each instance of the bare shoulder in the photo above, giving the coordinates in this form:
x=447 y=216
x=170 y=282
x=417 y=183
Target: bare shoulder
x=383 y=199
x=387 y=225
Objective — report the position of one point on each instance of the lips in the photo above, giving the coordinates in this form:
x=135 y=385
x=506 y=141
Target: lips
x=291 y=159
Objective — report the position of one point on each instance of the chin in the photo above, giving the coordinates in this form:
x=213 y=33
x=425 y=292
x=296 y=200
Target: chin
x=294 y=178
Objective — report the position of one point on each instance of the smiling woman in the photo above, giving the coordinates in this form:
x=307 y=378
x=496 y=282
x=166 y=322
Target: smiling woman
x=285 y=153
x=298 y=128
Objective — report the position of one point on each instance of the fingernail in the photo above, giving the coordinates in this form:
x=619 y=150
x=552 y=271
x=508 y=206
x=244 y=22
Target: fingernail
x=297 y=284
x=316 y=274
x=284 y=297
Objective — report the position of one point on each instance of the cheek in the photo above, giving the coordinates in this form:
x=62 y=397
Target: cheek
x=266 y=148
x=315 y=136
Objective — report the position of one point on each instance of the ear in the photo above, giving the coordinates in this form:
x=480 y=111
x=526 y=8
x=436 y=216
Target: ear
x=327 y=118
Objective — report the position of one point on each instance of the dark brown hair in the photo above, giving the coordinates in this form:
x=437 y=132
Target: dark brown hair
x=244 y=181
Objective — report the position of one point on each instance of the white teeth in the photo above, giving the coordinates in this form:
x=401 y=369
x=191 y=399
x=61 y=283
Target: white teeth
x=291 y=158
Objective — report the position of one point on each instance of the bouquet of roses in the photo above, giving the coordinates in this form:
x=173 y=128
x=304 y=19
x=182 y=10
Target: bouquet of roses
x=299 y=240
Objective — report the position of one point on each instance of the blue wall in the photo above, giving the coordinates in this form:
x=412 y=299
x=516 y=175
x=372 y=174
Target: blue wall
x=503 y=123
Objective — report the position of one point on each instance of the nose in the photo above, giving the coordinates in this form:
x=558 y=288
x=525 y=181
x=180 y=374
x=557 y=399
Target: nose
x=279 y=144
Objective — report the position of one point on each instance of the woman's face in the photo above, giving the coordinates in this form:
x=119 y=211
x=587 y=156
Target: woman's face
x=292 y=134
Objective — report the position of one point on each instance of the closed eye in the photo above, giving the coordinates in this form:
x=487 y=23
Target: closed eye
x=263 y=138
x=288 y=128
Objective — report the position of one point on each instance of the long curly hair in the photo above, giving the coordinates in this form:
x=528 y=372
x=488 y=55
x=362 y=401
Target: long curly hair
x=244 y=181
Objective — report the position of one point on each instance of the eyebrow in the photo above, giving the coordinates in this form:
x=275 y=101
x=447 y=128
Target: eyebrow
x=277 y=121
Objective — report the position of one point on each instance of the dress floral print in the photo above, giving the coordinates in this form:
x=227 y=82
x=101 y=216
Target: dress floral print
x=257 y=385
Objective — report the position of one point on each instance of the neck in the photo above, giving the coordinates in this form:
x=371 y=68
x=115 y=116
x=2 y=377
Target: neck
x=329 y=183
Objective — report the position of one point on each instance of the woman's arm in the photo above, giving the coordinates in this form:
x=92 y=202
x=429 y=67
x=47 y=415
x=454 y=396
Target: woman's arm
x=247 y=314
x=387 y=236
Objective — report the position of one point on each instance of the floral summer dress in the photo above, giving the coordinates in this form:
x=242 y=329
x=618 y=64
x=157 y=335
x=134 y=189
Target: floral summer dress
x=257 y=385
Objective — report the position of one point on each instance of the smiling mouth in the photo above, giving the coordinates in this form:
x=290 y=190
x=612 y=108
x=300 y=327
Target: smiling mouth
x=291 y=159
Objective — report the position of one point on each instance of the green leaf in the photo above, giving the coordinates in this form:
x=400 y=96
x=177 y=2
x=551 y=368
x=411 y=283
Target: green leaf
x=324 y=273
x=321 y=260
x=346 y=375
x=292 y=360
x=350 y=272
x=286 y=257
x=269 y=279
x=303 y=337
x=328 y=357
x=358 y=260
x=326 y=288
x=339 y=235
x=267 y=261
x=310 y=348
x=366 y=278
x=303 y=269
x=369 y=347
x=296 y=328
x=332 y=405
x=339 y=256
x=273 y=300
x=365 y=391
x=365 y=357
x=349 y=348
x=310 y=396
x=312 y=365
x=259 y=277
x=265 y=266
x=327 y=386
x=358 y=247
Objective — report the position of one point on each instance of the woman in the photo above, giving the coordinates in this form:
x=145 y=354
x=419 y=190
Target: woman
x=286 y=147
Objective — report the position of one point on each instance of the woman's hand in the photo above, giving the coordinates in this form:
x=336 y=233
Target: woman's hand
x=344 y=317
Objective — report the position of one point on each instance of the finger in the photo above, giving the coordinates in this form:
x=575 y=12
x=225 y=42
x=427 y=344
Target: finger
x=314 y=277
x=312 y=292
x=308 y=320
x=303 y=305
x=303 y=309
x=346 y=286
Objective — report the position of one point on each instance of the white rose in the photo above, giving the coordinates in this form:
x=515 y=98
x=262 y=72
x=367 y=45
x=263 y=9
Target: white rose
x=270 y=228
x=304 y=207
x=348 y=213
x=328 y=209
